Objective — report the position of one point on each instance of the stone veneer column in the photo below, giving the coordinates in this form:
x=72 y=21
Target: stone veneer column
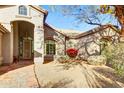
x=38 y=44
x=1 y=58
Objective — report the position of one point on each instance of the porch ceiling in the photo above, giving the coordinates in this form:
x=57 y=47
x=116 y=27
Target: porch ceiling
x=3 y=29
x=25 y=29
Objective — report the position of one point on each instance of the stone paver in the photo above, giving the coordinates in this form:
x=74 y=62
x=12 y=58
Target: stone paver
x=21 y=77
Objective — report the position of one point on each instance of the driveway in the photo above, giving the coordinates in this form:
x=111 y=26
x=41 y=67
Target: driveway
x=56 y=75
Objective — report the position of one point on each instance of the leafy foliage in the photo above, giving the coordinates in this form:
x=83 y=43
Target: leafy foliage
x=107 y=9
x=97 y=60
x=117 y=11
x=115 y=57
x=63 y=59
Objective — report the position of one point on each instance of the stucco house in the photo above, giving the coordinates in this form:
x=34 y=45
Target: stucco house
x=88 y=43
x=25 y=35
x=24 y=38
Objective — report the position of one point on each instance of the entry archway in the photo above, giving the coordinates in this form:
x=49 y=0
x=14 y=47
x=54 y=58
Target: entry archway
x=23 y=38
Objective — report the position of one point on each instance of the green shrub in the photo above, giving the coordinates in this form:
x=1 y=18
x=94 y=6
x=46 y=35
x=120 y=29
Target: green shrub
x=97 y=60
x=68 y=62
x=63 y=59
x=115 y=57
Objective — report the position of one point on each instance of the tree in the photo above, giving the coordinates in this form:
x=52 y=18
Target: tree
x=118 y=11
x=89 y=14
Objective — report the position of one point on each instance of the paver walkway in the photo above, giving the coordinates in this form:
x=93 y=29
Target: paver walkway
x=20 y=64
x=18 y=75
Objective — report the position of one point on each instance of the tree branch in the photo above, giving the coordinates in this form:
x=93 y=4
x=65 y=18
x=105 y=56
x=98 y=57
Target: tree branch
x=92 y=23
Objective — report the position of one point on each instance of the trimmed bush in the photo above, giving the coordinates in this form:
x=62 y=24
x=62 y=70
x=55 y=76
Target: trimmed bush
x=97 y=60
x=63 y=59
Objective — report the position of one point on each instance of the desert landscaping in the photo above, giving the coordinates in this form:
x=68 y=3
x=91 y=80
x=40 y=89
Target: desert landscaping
x=42 y=48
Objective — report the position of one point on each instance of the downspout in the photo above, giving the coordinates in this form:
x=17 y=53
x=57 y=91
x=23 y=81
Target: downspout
x=65 y=45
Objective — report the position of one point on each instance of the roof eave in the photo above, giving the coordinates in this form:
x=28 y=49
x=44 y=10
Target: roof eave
x=56 y=30
x=39 y=9
x=92 y=32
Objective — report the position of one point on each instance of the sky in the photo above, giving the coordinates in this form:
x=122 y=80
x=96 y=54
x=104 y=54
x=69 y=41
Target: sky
x=58 y=20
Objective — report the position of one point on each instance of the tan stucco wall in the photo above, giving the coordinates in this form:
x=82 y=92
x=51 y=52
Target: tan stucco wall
x=1 y=56
x=15 y=38
x=10 y=14
x=7 y=48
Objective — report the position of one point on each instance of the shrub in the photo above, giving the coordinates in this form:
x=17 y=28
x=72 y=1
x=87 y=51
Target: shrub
x=97 y=60
x=115 y=57
x=63 y=59
x=72 y=52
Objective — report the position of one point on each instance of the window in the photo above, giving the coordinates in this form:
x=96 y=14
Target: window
x=22 y=10
x=50 y=47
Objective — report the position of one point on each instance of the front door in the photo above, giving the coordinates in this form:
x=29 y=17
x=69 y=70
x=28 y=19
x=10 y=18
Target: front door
x=27 y=45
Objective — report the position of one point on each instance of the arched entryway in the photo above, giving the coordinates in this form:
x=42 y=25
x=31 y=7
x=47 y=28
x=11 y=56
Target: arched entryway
x=23 y=38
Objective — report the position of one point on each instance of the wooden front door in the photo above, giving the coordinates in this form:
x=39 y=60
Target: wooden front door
x=27 y=49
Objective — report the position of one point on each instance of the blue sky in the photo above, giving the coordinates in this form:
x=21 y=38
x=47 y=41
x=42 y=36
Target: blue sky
x=58 y=20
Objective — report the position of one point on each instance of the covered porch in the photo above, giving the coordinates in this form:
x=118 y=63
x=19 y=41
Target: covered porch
x=3 y=31
x=23 y=40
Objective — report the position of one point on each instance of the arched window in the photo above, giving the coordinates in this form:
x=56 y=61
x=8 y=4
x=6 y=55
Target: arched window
x=50 y=47
x=22 y=10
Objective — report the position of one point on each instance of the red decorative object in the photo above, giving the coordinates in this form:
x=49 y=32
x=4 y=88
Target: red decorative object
x=72 y=52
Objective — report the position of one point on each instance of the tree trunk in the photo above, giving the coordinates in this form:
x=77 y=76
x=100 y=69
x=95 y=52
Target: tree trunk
x=119 y=13
x=122 y=31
